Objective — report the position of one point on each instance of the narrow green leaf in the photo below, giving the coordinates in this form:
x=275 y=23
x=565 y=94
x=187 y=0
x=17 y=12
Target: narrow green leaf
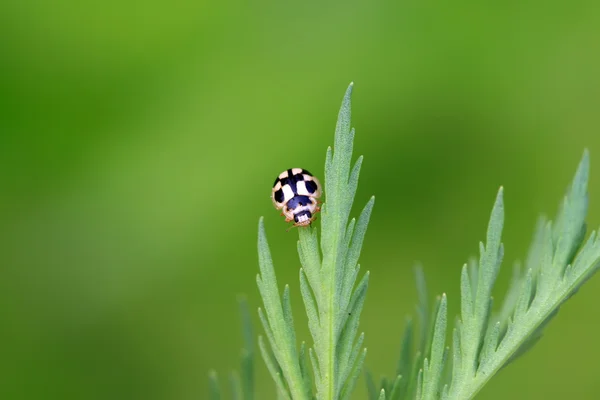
x=352 y=182
x=344 y=274
x=349 y=331
x=545 y=275
x=431 y=326
x=346 y=368
x=433 y=374
x=346 y=340
x=304 y=368
x=474 y=275
x=247 y=375
x=458 y=375
x=236 y=386
x=422 y=309
x=281 y=396
x=466 y=301
x=395 y=393
x=274 y=369
x=371 y=387
x=490 y=343
x=268 y=281
x=511 y=297
x=419 y=394
x=214 y=392
x=404 y=367
x=337 y=285
x=356 y=247
x=289 y=319
x=247 y=357
x=411 y=390
x=337 y=169
x=525 y=296
x=445 y=391
x=343 y=140
x=570 y=225
x=315 y=364
x=384 y=384
x=328 y=159
x=310 y=305
x=346 y=296
x=351 y=381
x=491 y=257
x=269 y=334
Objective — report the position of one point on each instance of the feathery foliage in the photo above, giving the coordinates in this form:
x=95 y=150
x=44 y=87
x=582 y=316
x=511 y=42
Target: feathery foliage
x=332 y=299
x=483 y=341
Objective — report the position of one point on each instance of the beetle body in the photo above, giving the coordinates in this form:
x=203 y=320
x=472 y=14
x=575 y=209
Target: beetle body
x=295 y=192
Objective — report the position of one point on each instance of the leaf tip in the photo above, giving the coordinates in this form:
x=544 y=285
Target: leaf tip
x=586 y=156
x=584 y=167
x=348 y=92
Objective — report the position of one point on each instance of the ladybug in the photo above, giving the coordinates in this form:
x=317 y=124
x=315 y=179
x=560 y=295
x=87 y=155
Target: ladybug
x=295 y=192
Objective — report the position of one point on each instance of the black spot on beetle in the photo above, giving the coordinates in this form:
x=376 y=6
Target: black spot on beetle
x=276 y=180
x=286 y=181
x=311 y=186
x=298 y=201
x=306 y=172
x=291 y=180
x=279 y=196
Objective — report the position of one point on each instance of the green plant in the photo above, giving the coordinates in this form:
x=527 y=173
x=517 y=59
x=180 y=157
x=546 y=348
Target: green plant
x=483 y=341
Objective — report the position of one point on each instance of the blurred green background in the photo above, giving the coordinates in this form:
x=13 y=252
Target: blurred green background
x=139 y=142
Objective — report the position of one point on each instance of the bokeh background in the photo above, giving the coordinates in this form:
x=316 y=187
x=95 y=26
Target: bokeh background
x=139 y=142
